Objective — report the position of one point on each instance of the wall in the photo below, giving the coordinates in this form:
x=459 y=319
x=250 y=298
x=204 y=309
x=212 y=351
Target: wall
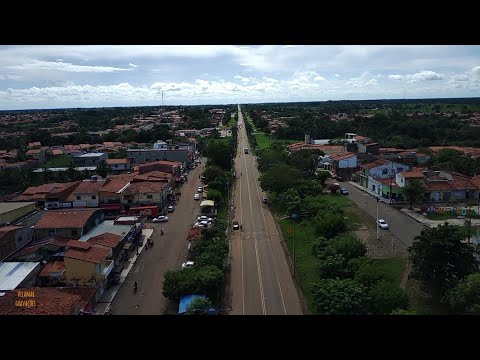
x=70 y=233
x=348 y=163
x=141 y=156
x=14 y=215
x=22 y=236
x=391 y=169
x=85 y=200
x=120 y=167
x=7 y=245
x=80 y=272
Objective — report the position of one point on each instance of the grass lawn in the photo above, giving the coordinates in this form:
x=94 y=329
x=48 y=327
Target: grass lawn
x=447 y=216
x=59 y=161
x=263 y=140
x=251 y=123
x=306 y=263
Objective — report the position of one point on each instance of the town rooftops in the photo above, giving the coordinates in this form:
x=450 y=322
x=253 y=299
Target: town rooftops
x=114 y=185
x=106 y=239
x=65 y=219
x=92 y=254
x=412 y=174
x=375 y=163
x=6 y=229
x=52 y=267
x=89 y=155
x=108 y=226
x=144 y=187
x=117 y=161
x=87 y=187
x=75 y=244
x=343 y=156
x=37 y=193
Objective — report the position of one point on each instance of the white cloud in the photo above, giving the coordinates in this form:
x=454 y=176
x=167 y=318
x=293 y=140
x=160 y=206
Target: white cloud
x=37 y=65
x=395 y=77
x=424 y=75
x=337 y=75
x=476 y=70
x=319 y=78
x=242 y=78
x=132 y=65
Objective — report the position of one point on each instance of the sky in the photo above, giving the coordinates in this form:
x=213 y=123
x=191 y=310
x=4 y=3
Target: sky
x=61 y=76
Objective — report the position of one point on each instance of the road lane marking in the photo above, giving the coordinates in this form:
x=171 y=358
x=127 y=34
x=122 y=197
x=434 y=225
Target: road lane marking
x=260 y=282
x=241 y=249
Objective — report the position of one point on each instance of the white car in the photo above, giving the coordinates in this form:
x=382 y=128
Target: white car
x=200 y=189
x=187 y=264
x=161 y=218
x=196 y=197
x=202 y=224
x=204 y=218
x=382 y=223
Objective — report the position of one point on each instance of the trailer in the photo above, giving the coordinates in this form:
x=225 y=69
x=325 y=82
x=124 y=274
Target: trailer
x=149 y=211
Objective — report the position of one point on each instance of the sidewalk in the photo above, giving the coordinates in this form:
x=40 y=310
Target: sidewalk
x=433 y=223
x=109 y=294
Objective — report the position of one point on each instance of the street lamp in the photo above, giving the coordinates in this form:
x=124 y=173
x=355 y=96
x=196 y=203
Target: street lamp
x=378 y=235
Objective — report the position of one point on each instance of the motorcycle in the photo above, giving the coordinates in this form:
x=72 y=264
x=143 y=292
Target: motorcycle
x=135 y=288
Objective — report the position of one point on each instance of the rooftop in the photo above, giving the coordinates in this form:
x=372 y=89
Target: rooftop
x=10 y=206
x=52 y=267
x=106 y=239
x=92 y=254
x=87 y=155
x=65 y=219
x=13 y=273
x=107 y=226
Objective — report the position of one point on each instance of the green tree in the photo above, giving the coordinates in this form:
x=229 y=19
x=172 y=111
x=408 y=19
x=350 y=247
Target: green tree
x=291 y=200
x=330 y=225
x=386 y=297
x=413 y=192
x=403 y=312
x=333 y=266
x=215 y=195
x=365 y=271
x=440 y=258
x=280 y=178
x=349 y=246
x=213 y=172
x=340 y=297
x=322 y=176
x=103 y=169
x=304 y=160
x=464 y=298
x=198 y=306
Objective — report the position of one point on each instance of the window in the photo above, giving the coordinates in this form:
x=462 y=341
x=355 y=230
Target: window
x=79 y=197
x=149 y=196
x=94 y=197
x=74 y=232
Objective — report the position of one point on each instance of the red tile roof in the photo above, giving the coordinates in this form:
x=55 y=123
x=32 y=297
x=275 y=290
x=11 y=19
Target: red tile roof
x=343 y=156
x=106 y=239
x=52 y=267
x=34 y=151
x=37 y=193
x=86 y=188
x=115 y=185
x=47 y=301
x=76 y=244
x=6 y=229
x=144 y=187
x=412 y=174
x=92 y=254
x=154 y=176
x=57 y=152
x=64 y=219
x=374 y=164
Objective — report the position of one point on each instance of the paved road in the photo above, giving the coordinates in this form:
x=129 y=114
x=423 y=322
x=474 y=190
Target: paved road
x=401 y=225
x=168 y=253
x=261 y=280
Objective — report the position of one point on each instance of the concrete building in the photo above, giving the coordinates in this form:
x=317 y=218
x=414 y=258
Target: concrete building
x=13 y=211
x=13 y=238
x=160 y=145
x=141 y=156
x=17 y=274
x=119 y=164
x=89 y=159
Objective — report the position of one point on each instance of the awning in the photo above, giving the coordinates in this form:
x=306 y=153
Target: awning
x=207 y=203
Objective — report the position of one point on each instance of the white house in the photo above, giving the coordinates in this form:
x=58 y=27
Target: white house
x=380 y=168
x=404 y=178
x=118 y=164
x=160 y=145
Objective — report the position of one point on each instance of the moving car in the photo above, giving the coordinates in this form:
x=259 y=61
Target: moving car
x=236 y=225
x=204 y=218
x=344 y=191
x=383 y=224
x=161 y=218
x=187 y=264
x=196 y=197
x=171 y=208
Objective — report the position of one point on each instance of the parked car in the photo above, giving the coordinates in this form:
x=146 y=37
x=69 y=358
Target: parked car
x=344 y=191
x=196 y=197
x=187 y=264
x=200 y=189
x=171 y=208
x=264 y=200
x=202 y=224
x=236 y=225
x=204 y=218
x=383 y=224
x=161 y=218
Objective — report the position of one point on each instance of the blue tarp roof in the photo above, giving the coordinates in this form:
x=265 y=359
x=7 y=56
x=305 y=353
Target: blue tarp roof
x=186 y=300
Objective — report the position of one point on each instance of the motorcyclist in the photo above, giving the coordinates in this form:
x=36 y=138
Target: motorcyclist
x=135 y=287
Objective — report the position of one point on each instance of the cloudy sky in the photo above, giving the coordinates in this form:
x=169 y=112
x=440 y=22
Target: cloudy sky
x=54 y=76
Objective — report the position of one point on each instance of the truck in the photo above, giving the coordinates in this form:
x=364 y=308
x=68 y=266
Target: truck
x=150 y=211
x=245 y=150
